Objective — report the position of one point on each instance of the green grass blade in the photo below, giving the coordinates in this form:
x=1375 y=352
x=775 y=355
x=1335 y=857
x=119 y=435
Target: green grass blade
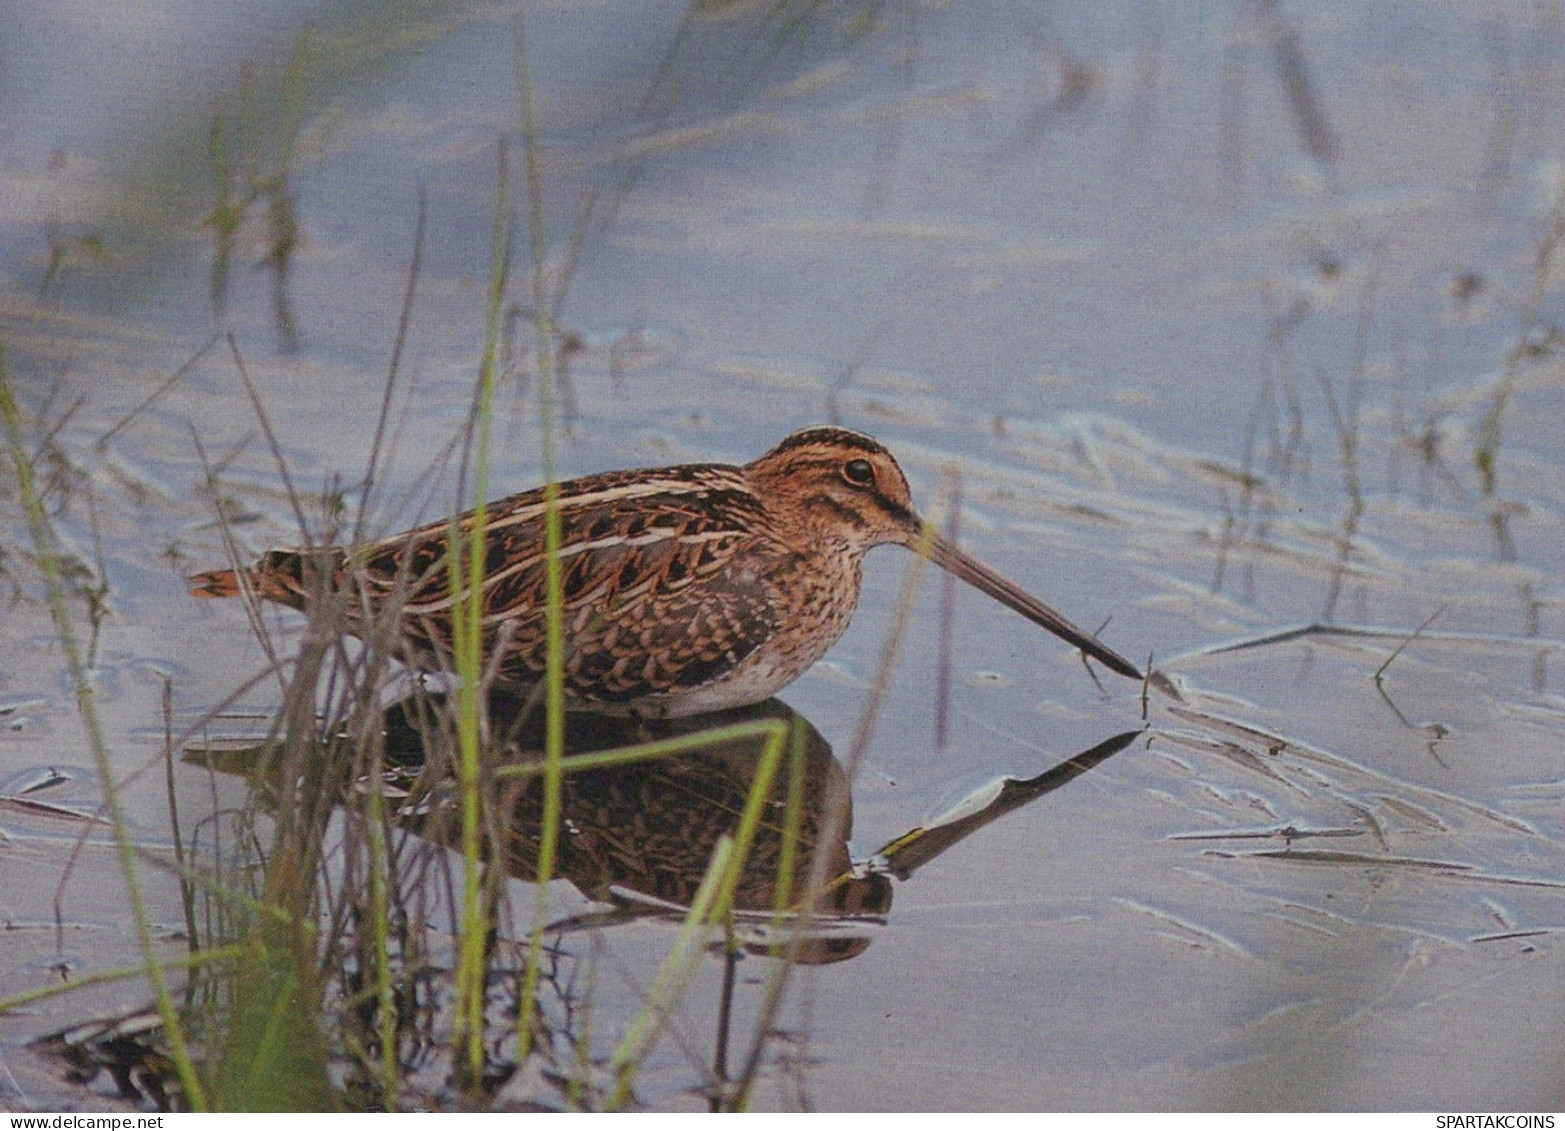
x=467 y=556
x=554 y=629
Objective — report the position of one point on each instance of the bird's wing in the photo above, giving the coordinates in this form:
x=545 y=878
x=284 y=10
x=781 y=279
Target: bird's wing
x=656 y=593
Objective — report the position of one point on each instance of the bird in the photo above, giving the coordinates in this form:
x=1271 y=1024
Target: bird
x=686 y=589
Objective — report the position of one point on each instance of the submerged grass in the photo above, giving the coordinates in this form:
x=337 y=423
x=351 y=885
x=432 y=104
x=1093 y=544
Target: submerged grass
x=43 y=542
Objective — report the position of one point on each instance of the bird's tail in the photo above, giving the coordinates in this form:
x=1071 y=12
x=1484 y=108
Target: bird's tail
x=289 y=577
x=214 y=583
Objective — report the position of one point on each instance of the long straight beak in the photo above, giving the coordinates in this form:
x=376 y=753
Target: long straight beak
x=947 y=556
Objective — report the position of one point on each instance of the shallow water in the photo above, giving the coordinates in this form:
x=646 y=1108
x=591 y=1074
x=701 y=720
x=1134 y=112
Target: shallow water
x=1193 y=378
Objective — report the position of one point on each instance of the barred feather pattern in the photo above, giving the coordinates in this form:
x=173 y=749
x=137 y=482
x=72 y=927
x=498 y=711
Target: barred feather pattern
x=671 y=581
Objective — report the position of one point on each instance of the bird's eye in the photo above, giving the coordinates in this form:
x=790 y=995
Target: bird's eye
x=859 y=472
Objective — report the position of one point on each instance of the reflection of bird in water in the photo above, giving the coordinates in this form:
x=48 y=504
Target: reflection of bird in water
x=685 y=589
x=641 y=835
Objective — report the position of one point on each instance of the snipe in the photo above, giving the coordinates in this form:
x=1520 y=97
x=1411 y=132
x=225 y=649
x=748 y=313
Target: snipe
x=687 y=589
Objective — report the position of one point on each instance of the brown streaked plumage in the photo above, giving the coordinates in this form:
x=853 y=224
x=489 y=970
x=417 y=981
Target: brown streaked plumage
x=687 y=589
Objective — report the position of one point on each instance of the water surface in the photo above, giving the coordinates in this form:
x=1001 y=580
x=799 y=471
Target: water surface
x=1214 y=357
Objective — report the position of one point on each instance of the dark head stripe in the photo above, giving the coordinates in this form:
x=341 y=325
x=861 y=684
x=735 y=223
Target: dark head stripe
x=838 y=438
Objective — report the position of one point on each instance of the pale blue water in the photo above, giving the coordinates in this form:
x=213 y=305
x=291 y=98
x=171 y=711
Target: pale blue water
x=1101 y=312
